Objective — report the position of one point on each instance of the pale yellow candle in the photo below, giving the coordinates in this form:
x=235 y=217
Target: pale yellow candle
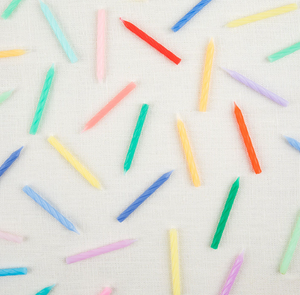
x=206 y=76
x=262 y=15
x=175 y=262
x=78 y=166
x=188 y=153
x=9 y=53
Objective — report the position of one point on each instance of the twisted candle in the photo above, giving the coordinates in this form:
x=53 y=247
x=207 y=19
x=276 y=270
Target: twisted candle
x=188 y=153
x=70 y=158
x=101 y=44
x=42 y=101
x=45 y=291
x=225 y=214
x=291 y=248
x=13 y=157
x=10 y=237
x=59 y=34
x=233 y=274
x=143 y=197
x=13 y=271
x=247 y=140
x=163 y=50
x=99 y=251
x=106 y=291
x=135 y=137
x=257 y=88
x=38 y=199
x=284 y=52
x=262 y=15
x=4 y=96
x=189 y=15
x=10 y=8
x=206 y=76
x=175 y=262
x=10 y=53
x=293 y=142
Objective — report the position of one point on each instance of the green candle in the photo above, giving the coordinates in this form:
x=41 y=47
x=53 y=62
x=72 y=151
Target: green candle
x=225 y=214
x=135 y=137
x=11 y=7
x=5 y=95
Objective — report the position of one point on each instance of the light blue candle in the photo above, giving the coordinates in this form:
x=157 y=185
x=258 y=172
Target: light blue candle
x=293 y=142
x=45 y=291
x=13 y=271
x=13 y=157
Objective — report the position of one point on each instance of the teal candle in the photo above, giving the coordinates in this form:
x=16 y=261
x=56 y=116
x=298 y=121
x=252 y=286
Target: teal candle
x=13 y=271
x=45 y=291
x=10 y=8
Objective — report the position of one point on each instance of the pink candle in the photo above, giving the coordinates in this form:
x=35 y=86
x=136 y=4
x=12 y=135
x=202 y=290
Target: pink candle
x=106 y=291
x=10 y=237
x=101 y=45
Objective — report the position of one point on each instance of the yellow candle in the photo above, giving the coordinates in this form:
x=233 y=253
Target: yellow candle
x=188 y=153
x=9 y=53
x=262 y=15
x=206 y=76
x=78 y=166
x=175 y=262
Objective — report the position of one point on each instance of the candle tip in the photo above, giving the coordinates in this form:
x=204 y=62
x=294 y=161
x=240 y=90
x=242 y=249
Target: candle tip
x=85 y=129
x=121 y=19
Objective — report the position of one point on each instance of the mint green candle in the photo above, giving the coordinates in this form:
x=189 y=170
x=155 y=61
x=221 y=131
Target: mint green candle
x=10 y=8
x=135 y=137
x=4 y=96
x=225 y=214
x=45 y=291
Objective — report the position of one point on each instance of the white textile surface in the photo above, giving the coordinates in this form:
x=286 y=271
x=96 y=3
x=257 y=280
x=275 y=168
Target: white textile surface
x=266 y=206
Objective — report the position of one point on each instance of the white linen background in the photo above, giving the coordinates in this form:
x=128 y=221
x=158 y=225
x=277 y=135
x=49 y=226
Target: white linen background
x=266 y=206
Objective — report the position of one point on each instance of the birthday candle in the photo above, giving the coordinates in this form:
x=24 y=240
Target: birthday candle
x=135 y=137
x=101 y=44
x=247 y=140
x=189 y=15
x=45 y=291
x=4 y=96
x=282 y=53
x=13 y=271
x=42 y=101
x=99 y=251
x=291 y=248
x=233 y=274
x=175 y=262
x=258 y=88
x=10 y=237
x=10 y=53
x=106 y=291
x=44 y=204
x=144 y=196
x=11 y=7
x=109 y=106
x=206 y=76
x=293 y=142
x=188 y=153
x=70 y=158
x=13 y=157
x=262 y=15
x=225 y=214
x=171 y=56
x=59 y=34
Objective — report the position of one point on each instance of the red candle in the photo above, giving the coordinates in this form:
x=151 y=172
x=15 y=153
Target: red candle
x=163 y=50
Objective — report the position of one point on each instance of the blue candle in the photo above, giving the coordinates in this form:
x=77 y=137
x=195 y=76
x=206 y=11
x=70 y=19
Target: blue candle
x=142 y=198
x=63 y=220
x=9 y=161
x=294 y=143
x=13 y=271
x=45 y=291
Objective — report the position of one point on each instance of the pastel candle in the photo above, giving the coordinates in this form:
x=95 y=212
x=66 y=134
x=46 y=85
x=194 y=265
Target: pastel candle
x=262 y=15
x=58 y=32
x=233 y=274
x=225 y=214
x=13 y=271
x=256 y=87
x=10 y=237
x=294 y=143
x=76 y=164
x=206 y=76
x=45 y=205
x=117 y=99
x=4 y=96
x=13 y=157
x=144 y=196
x=291 y=248
x=188 y=153
x=99 y=251
x=10 y=53
x=101 y=44
x=135 y=138
x=163 y=50
x=106 y=291
x=190 y=15
x=42 y=101
x=175 y=262
x=10 y=8
x=45 y=291
x=247 y=140
x=284 y=52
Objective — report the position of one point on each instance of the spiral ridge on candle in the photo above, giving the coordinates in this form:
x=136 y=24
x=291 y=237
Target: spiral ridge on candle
x=101 y=44
x=189 y=15
x=45 y=291
x=13 y=271
x=293 y=142
x=10 y=53
x=175 y=262
x=59 y=217
x=9 y=161
x=142 y=198
x=10 y=8
x=258 y=88
x=284 y=52
x=10 y=237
